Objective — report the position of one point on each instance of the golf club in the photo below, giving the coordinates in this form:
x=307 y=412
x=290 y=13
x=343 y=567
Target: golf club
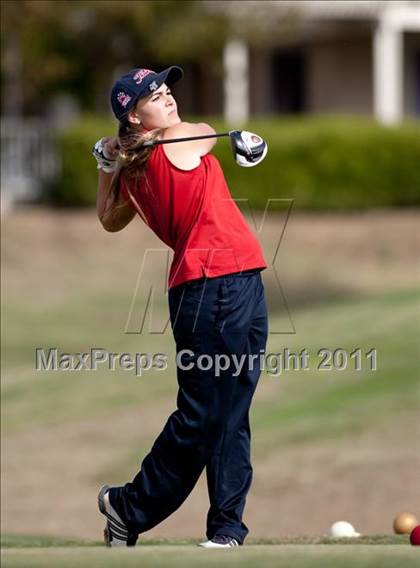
x=248 y=148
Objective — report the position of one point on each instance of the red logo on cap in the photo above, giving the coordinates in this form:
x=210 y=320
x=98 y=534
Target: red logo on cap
x=140 y=75
x=123 y=98
x=255 y=139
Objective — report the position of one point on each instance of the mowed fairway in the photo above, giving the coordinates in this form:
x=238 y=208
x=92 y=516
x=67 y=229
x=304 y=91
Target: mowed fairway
x=327 y=445
x=368 y=553
x=323 y=556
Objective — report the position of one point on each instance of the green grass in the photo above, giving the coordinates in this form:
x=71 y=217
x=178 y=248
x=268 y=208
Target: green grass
x=296 y=556
x=35 y=541
x=386 y=551
x=352 y=400
x=74 y=325
x=318 y=404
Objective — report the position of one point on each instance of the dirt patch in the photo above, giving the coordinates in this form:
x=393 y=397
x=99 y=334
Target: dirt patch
x=366 y=480
x=51 y=477
x=320 y=255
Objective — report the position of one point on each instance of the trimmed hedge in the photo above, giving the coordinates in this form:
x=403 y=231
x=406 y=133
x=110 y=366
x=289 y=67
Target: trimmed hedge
x=321 y=163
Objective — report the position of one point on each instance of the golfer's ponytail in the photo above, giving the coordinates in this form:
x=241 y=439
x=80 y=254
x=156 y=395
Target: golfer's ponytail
x=132 y=158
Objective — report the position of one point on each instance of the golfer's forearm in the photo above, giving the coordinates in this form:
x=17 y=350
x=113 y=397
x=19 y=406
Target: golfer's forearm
x=104 y=183
x=116 y=216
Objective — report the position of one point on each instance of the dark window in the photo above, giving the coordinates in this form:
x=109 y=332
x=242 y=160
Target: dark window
x=288 y=81
x=417 y=82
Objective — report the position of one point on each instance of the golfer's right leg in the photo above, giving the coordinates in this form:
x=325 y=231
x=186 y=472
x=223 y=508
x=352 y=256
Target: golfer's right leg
x=167 y=476
x=178 y=456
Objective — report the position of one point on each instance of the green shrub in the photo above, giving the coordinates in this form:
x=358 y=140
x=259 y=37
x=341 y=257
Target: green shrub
x=79 y=177
x=321 y=163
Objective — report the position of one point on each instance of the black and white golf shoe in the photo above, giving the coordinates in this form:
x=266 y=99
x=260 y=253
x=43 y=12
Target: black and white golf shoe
x=220 y=541
x=116 y=532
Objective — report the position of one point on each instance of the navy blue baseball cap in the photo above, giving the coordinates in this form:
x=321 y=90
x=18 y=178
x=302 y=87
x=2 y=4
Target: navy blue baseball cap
x=138 y=83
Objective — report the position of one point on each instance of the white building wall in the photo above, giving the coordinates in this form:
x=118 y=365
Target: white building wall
x=236 y=82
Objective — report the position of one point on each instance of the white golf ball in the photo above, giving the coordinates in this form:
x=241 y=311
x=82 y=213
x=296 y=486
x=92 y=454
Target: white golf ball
x=342 y=529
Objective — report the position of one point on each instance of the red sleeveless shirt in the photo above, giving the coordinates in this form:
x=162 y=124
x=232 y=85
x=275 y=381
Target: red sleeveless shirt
x=194 y=214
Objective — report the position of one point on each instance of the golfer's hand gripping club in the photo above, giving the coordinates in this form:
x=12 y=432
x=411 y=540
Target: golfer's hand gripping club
x=105 y=161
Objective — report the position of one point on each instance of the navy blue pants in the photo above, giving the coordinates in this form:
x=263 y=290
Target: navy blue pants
x=227 y=316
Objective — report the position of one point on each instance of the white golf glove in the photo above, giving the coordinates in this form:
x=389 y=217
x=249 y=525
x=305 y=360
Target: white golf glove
x=105 y=163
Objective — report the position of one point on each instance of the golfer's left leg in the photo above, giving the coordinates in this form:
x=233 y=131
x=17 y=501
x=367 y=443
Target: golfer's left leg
x=229 y=469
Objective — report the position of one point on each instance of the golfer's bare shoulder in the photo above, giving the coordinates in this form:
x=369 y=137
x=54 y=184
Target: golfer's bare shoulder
x=187 y=155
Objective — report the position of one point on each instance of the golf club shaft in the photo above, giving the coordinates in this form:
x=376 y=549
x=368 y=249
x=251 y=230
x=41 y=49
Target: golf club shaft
x=172 y=140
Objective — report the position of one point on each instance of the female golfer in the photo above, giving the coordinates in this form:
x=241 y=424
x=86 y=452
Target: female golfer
x=216 y=303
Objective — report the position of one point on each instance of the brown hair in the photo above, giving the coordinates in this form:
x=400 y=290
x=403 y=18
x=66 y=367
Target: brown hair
x=132 y=160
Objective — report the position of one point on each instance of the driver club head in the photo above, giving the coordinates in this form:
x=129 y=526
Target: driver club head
x=248 y=148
